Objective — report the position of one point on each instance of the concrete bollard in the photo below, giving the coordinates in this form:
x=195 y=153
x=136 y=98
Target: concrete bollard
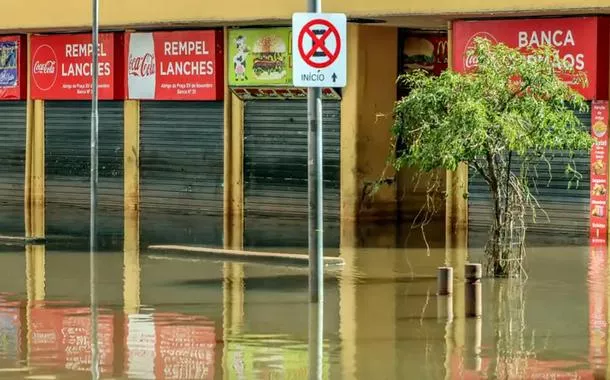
x=473 y=293
x=445 y=281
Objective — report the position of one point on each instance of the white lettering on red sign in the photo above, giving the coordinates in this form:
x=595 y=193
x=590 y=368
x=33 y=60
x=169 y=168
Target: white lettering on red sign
x=47 y=67
x=84 y=69
x=188 y=68
x=556 y=38
x=83 y=50
x=185 y=48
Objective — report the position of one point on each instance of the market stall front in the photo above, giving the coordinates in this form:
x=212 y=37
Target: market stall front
x=61 y=76
x=275 y=141
x=582 y=42
x=12 y=133
x=178 y=76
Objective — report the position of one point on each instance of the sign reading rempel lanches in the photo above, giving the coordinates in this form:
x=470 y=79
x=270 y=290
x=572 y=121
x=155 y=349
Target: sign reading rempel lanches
x=319 y=49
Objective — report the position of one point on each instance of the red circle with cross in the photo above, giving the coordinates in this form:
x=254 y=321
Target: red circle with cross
x=319 y=43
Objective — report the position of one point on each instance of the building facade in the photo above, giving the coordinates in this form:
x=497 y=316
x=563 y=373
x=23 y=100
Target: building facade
x=200 y=125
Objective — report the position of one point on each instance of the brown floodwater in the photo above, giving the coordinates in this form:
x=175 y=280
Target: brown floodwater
x=147 y=315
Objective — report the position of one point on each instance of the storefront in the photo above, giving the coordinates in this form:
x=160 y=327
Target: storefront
x=61 y=75
x=417 y=50
x=582 y=41
x=178 y=76
x=275 y=141
x=12 y=133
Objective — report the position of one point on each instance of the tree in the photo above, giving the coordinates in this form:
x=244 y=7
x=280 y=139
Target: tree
x=513 y=104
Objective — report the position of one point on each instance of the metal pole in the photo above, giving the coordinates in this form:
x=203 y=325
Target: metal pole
x=316 y=341
x=94 y=181
x=315 y=185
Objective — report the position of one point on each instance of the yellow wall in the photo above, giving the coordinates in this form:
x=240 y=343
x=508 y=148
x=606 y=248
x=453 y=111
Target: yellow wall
x=366 y=111
x=76 y=14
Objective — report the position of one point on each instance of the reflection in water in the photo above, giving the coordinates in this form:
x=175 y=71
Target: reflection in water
x=381 y=318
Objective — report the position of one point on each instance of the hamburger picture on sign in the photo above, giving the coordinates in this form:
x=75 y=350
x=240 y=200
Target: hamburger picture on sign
x=424 y=51
x=260 y=57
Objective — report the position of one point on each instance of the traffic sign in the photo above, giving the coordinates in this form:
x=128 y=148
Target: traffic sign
x=319 y=49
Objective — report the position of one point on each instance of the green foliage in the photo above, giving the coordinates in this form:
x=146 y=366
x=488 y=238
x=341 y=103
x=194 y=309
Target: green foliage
x=509 y=103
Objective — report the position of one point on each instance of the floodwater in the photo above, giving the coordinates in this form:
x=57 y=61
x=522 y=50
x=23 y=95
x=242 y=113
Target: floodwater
x=158 y=316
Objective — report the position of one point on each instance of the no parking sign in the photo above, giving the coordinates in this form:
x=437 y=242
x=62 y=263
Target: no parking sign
x=319 y=49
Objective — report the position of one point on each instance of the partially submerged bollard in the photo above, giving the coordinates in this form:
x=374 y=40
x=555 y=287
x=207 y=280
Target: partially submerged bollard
x=445 y=281
x=473 y=292
x=444 y=284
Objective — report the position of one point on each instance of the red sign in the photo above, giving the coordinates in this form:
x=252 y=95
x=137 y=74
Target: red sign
x=61 y=67
x=184 y=65
x=599 y=173
x=581 y=41
x=13 y=61
x=319 y=43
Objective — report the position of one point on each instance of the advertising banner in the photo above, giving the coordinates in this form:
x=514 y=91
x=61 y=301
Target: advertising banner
x=260 y=57
x=61 y=66
x=182 y=65
x=581 y=41
x=13 y=61
x=599 y=173
x=425 y=51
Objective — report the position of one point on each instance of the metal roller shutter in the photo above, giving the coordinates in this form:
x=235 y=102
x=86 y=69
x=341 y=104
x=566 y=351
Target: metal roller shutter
x=68 y=165
x=567 y=208
x=275 y=173
x=181 y=171
x=12 y=166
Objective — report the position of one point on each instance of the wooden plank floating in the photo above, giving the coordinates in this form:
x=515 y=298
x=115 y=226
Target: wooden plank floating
x=21 y=239
x=252 y=256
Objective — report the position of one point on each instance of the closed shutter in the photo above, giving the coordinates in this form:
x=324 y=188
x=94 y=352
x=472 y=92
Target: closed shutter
x=275 y=173
x=567 y=206
x=68 y=166
x=181 y=171
x=12 y=166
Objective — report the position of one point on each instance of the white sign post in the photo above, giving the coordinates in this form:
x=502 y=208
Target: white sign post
x=319 y=60
x=319 y=49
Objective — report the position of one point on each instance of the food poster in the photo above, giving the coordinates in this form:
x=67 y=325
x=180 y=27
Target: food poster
x=599 y=173
x=425 y=51
x=260 y=57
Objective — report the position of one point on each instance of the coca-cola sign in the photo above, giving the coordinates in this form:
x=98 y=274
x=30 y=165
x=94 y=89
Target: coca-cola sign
x=61 y=66
x=583 y=42
x=142 y=65
x=183 y=65
x=12 y=67
x=44 y=72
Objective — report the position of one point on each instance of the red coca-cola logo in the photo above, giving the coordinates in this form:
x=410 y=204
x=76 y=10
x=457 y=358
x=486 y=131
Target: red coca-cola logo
x=142 y=66
x=44 y=67
x=470 y=62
